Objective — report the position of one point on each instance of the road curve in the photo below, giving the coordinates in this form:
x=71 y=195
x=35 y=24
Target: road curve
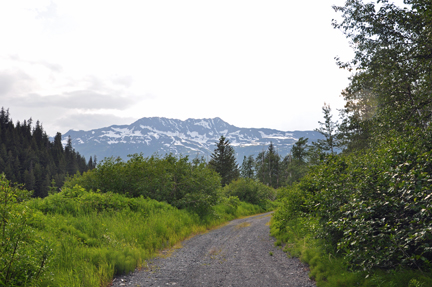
x=237 y=254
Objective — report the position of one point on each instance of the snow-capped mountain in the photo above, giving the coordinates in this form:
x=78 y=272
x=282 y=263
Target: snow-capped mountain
x=193 y=137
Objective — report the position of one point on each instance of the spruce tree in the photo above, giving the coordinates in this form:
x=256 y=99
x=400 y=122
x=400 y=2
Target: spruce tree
x=247 y=167
x=329 y=130
x=299 y=150
x=273 y=166
x=295 y=164
x=223 y=161
x=268 y=167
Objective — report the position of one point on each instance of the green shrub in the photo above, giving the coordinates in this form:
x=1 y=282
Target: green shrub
x=374 y=207
x=24 y=253
x=251 y=191
x=98 y=235
x=387 y=221
x=374 y=210
x=174 y=180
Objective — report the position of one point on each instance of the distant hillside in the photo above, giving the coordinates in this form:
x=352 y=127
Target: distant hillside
x=193 y=137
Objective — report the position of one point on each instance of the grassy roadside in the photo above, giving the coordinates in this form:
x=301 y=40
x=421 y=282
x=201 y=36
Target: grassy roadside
x=93 y=236
x=328 y=268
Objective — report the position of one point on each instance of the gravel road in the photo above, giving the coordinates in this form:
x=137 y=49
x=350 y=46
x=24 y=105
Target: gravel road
x=237 y=254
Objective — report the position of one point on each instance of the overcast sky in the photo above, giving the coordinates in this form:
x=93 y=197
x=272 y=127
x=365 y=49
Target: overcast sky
x=86 y=64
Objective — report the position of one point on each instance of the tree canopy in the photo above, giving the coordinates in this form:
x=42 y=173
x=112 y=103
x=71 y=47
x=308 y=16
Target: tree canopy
x=391 y=68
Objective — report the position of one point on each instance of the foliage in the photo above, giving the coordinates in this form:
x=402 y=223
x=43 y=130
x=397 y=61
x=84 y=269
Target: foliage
x=392 y=68
x=392 y=207
x=268 y=167
x=373 y=202
x=329 y=130
x=24 y=253
x=173 y=180
x=294 y=201
x=375 y=208
x=293 y=224
x=355 y=130
x=271 y=170
x=223 y=161
x=27 y=156
x=299 y=150
x=247 y=169
x=251 y=191
x=296 y=164
x=98 y=235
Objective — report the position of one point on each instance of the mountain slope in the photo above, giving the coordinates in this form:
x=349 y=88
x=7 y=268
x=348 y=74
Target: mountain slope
x=193 y=137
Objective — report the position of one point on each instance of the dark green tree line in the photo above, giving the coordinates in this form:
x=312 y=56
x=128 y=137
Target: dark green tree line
x=27 y=156
x=272 y=170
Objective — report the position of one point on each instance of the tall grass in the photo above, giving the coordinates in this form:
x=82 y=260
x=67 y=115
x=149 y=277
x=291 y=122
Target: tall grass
x=95 y=236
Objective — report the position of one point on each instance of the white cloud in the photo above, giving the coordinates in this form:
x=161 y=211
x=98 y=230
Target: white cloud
x=14 y=82
x=91 y=121
x=252 y=63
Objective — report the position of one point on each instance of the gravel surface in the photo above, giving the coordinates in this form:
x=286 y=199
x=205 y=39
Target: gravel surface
x=241 y=253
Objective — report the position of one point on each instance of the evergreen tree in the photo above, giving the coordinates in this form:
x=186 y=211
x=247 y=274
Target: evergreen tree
x=273 y=162
x=299 y=150
x=72 y=162
x=90 y=163
x=52 y=189
x=329 y=130
x=29 y=179
x=296 y=163
x=247 y=167
x=268 y=167
x=223 y=161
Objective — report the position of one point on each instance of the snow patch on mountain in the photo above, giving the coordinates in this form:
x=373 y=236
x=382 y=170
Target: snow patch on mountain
x=203 y=123
x=224 y=132
x=276 y=136
x=193 y=137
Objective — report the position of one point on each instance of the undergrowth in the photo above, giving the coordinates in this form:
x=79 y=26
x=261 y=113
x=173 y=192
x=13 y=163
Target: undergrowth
x=94 y=236
x=364 y=218
x=329 y=268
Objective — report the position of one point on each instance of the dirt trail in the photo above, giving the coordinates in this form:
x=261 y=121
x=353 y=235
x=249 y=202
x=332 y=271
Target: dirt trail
x=237 y=254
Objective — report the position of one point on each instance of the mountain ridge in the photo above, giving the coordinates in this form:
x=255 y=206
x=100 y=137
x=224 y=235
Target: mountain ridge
x=192 y=137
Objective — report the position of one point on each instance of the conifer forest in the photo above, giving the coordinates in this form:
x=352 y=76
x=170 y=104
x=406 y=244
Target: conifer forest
x=28 y=157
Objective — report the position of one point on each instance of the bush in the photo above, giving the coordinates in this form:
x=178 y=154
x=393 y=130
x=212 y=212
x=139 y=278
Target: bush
x=387 y=221
x=251 y=191
x=24 y=254
x=170 y=179
x=98 y=235
x=375 y=207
